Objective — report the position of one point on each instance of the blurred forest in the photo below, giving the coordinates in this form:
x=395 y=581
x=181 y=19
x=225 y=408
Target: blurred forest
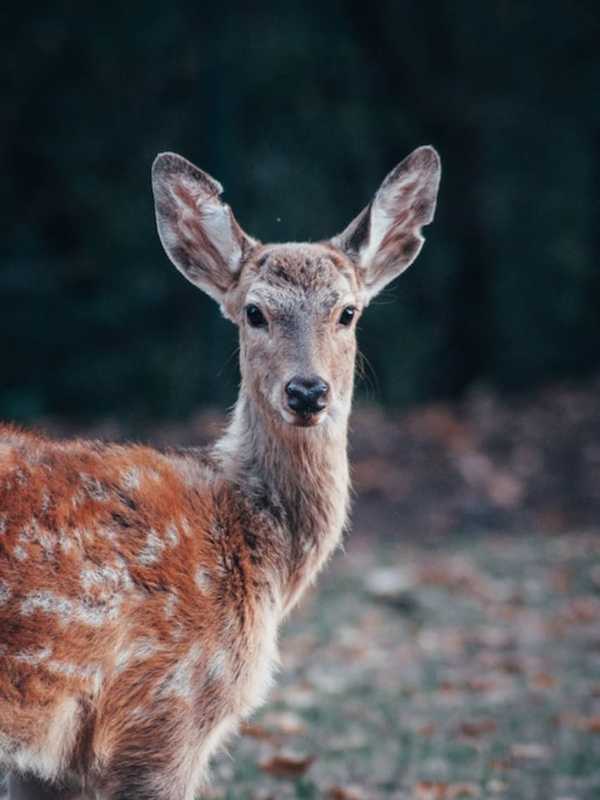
x=300 y=109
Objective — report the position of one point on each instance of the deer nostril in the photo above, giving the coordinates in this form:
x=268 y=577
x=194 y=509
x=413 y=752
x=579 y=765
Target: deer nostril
x=307 y=395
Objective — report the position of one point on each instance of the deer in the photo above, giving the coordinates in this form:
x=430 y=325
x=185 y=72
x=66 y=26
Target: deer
x=142 y=589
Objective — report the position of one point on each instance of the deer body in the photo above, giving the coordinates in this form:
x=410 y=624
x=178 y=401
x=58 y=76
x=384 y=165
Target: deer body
x=141 y=591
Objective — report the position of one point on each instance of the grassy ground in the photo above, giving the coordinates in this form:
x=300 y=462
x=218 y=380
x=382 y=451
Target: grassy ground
x=470 y=669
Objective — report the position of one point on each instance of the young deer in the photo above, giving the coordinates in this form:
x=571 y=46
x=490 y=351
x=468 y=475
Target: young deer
x=141 y=591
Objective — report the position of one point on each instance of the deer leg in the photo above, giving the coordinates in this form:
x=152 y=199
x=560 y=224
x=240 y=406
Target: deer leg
x=27 y=787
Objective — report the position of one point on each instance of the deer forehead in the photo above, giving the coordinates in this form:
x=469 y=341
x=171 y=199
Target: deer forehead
x=292 y=274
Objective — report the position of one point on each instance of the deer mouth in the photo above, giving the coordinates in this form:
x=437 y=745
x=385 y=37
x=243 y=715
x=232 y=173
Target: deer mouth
x=304 y=419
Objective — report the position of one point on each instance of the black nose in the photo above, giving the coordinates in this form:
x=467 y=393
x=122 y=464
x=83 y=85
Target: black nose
x=307 y=395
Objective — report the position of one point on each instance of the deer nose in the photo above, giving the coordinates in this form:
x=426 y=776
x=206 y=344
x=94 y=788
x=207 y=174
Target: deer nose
x=307 y=395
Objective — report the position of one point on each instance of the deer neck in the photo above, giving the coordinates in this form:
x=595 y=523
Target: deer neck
x=301 y=471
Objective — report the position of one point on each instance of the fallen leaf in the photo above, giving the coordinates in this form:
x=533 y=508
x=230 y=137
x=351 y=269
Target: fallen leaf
x=430 y=790
x=427 y=729
x=542 y=680
x=583 y=610
x=587 y=724
x=255 y=731
x=345 y=793
x=501 y=763
x=287 y=764
x=590 y=724
x=476 y=728
x=457 y=790
x=438 y=790
x=285 y=722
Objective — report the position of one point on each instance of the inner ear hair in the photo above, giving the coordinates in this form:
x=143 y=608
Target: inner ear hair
x=385 y=238
x=197 y=229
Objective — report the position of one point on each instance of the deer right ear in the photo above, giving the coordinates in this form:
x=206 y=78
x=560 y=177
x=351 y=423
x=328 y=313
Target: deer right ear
x=198 y=231
x=385 y=238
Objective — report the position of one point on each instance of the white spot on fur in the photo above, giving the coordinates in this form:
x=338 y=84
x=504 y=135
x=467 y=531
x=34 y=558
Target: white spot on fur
x=65 y=542
x=20 y=477
x=203 y=580
x=170 y=604
x=34 y=657
x=138 y=650
x=5 y=592
x=69 y=610
x=46 y=500
x=180 y=681
x=47 y=541
x=94 y=487
x=77 y=499
x=20 y=553
x=108 y=578
x=107 y=533
x=35 y=533
x=5 y=450
x=3 y=524
x=47 y=602
x=152 y=549
x=131 y=479
x=172 y=534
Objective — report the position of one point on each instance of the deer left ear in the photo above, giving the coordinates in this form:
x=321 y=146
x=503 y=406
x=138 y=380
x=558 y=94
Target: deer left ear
x=197 y=229
x=385 y=238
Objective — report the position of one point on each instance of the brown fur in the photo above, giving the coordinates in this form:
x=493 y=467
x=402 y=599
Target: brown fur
x=141 y=591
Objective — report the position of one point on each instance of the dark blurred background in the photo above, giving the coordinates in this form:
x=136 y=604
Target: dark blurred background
x=300 y=109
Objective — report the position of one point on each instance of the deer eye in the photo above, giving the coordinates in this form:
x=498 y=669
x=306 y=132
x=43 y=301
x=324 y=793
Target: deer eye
x=255 y=317
x=347 y=316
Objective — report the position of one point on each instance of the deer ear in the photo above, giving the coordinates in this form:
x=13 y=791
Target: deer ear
x=385 y=238
x=198 y=231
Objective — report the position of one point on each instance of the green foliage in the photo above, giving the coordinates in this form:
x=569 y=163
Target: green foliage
x=300 y=110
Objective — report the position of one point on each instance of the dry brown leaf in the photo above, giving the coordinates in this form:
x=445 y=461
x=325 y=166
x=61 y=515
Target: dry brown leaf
x=478 y=727
x=587 y=724
x=501 y=763
x=458 y=790
x=584 y=610
x=287 y=764
x=481 y=685
x=345 y=793
x=430 y=790
x=439 y=790
x=285 y=722
x=542 y=680
x=590 y=724
x=427 y=729
x=255 y=731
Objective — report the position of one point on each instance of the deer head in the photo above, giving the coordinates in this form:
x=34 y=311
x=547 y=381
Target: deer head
x=296 y=305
